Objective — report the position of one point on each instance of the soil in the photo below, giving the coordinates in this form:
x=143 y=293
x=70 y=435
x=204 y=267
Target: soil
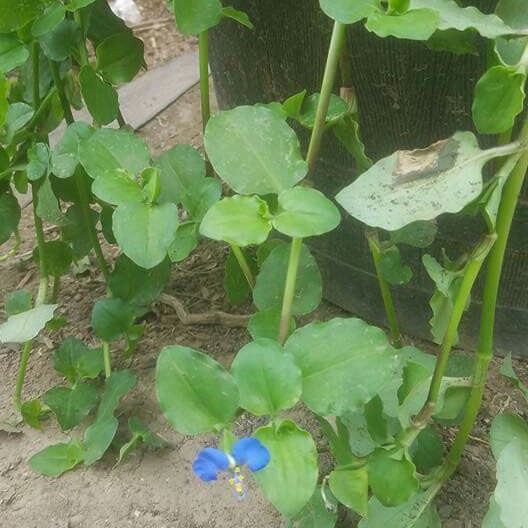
x=158 y=489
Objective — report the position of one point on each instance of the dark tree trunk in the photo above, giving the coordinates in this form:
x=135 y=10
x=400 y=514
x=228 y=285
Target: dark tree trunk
x=408 y=97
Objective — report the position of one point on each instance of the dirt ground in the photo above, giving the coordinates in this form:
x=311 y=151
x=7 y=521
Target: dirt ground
x=158 y=490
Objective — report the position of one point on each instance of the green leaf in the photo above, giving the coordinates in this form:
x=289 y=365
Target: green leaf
x=269 y=288
x=18 y=301
x=53 y=15
x=505 y=428
x=15 y=15
x=65 y=155
x=337 y=109
x=71 y=405
x=508 y=371
x=137 y=286
x=58 y=257
x=47 y=204
x=117 y=187
x=197 y=16
x=59 y=44
x=240 y=220
x=56 y=459
x=453 y=41
x=393 y=481
x=38 y=161
x=141 y=434
x=416 y=24
x=392 y=269
x=237 y=15
x=100 y=97
x=107 y=149
x=120 y=57
x=452 y=16
x=317 y=514
x=512 y=482
x=515 y=14
x=145 y=232
x=150 y=183
x=4 y=108
x=18 y=115
x=420 y=234
x=402 y=516
x=290 y=479
x=182 y=175
x=24 y=326
x=427 y=450
x=304 y=212
x=357 y=364
x=350 y=487
x=235 y=282
x=348 y=12
x=347 y=131
x=254 y=151
x=269 y=381
x=74 y=230
x=9 y=216
x=266 y=324
x=499 y=99
x=417 y=185
x=208 y=194
x=293 y=105
x=111 y=318
x=31 y=412
x=196 y=394
x=184 y=243
x=75 y=5
x=492 y=519
x=99 y=436
x=76 y=362
x=13 y=53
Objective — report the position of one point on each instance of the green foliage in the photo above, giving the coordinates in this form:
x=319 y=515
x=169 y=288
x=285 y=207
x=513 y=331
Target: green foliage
x=52 y=16
x=14 y=15
x=195 y=393
x=24 y=326
x=269 y=288
x=76 y=362
x=235 y=282
x=266 y=324
x=508 y=371
x=268 y=380
x=254 y=151
x=141 y=434
x=200 y=15
x=317 y=513
x=290 y=479
x=100 y=97
x=9 y=216
x=56 y=459
x=111 y=318
x=13 y=53
x=392 y=269
x=350 y=487
x=18 y=301
x=120 y=57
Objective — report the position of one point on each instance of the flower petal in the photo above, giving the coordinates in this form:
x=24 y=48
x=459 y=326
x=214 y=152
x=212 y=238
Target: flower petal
x=251 y=452
x=209 y=462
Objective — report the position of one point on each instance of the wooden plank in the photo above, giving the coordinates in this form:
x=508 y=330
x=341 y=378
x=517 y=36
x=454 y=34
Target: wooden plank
x=147 y=96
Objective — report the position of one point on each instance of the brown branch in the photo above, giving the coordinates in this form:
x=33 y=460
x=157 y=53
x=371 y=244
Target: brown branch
x=207 y=318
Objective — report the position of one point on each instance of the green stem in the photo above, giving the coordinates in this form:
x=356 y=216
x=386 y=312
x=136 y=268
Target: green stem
x=327 y=87
x=510 y=196
x=56 y=289
x=24 y=359
x=84 y=199
x=43 y=265
x=375 y=249
x=204 y=77
x=35 y=64
x=243 y=263
x=121 y=119
x=14 y=249
x=107 y=361
x=289 y=289
x=83 y=50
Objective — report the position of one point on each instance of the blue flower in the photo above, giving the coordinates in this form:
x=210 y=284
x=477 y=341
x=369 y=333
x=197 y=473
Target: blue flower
x=247 y=451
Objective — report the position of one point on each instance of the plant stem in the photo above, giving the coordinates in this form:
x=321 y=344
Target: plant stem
x=327 y=87
x=84 y=200
x=107 y=361
x=35 y=64
x=375 y=249
x=83 y=51
x=204 y=77
x=243 y=263
x=507 y=208
x=43 y=265
x=121 y=119
x=22 y=367
x=56 y=289
x=14 y=249
x=289 y=289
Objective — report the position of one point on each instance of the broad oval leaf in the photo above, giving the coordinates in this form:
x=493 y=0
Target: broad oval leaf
x=254 y=150
x=53 y=15
x=59 y=44
x=120 y=57
x=65 y=155
x=197 y=16
x=358 y=362
x=499 y=99
x=145 y=232
x=269 y=381
x=240 y=220
x=14 y=15
x=304 y=212
x=417 y=185
x=75 y=361
x=13 y=53
x=111 y=318
x=195 y=393
x=350 y=487
x=269 y=288
x=24 y=326
x=117 y=187
x=290 y=479
x=416 y=24
x=100 y=97
x=347 y=11
x=9 y=216
x=505 y=428
x=107 y=149
x=56 y=459
x=267 y=323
